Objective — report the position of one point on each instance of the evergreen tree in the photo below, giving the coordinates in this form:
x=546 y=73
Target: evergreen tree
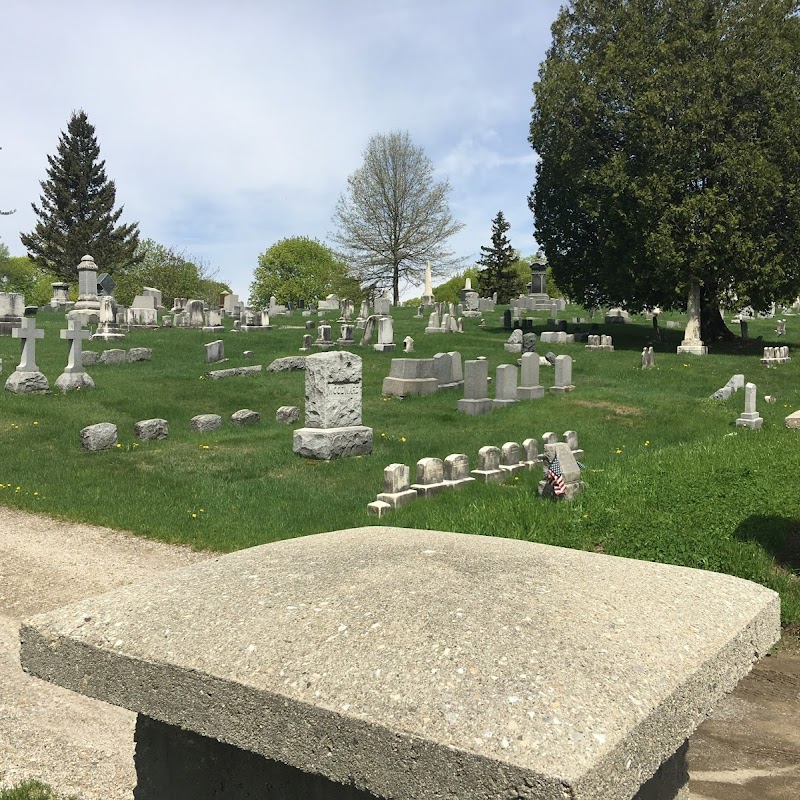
x=77 y=214
x=669 y=147
x=499 y=273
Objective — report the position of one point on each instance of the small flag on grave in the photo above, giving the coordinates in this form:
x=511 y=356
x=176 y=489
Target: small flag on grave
x=555 y=478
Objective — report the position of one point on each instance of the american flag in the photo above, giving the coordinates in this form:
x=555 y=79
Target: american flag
x=555 y=478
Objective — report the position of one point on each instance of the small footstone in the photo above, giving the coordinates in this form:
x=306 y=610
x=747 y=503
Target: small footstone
x=378 y=508
x=140 y=354
x=245 y=417
x=113 y=356
x=27 y=383
x=793 y=420
x=288 y=362
x=248 y=354
x=149 y=429
x=89 y=357
x=287 y=414
x=206 y=422
x=102 y=436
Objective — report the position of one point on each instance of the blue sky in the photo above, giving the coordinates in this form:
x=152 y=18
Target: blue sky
x=229 y=126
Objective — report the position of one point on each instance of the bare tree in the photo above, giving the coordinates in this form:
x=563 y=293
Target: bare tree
x=394 y=217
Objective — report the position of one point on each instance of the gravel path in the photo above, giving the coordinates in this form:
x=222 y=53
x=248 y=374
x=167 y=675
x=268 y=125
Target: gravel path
x=78 y=745
x=748 y=750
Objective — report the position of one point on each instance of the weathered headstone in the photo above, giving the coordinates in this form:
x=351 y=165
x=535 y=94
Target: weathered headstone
x=530 y=450
x=456 y=471
x=430 y=477
x=570 y=473
x=102 y=436
x=333 y=426
x=563 y=375
x=74 y=376
x=324 y=339
x=505 y=385
x=692 y=344
x=476 y=401
x=88 y=303
x=408 y=345
x=151 y=429
x=397 y=490
x=246 y=416
x=510 y=461
x=514 y=343
x=488 y=465
x=385 y=336
x=529 y=388
x=26 y=378
x=410 y=376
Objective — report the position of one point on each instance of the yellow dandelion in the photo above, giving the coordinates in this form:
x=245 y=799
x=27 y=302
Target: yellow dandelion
x=618 y=451
x=17 y=489
x=119 y=445
x=204 y=446
x=685 y=365
x=35 y=422
x=36 y=494
x=383 y=434
x=194 y=516
x=647 y=443
x=202 y=511
x=586 y=516
x=403 y=439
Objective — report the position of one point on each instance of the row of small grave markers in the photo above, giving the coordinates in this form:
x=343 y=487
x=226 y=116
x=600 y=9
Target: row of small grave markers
x=434 y=475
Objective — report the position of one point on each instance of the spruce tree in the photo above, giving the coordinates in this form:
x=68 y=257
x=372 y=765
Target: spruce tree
x=498 y=273
x=77 y=213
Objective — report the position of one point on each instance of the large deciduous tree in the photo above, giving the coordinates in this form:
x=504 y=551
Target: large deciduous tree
x=499 y=262
x=394 y=216
x=299 y=268
x=669 y=145
x=77 y=215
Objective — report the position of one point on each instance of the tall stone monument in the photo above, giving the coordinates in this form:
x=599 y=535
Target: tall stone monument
x=87 y=309
x=427 y=297
x=692 y=344
x=333 y=409
x=74 y=376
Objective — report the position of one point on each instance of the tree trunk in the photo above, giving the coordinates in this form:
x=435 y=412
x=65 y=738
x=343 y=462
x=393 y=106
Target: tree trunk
x=712 y=326
x=396 y=285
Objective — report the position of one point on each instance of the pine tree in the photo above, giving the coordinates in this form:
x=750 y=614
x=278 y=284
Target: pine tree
x=77 y=214
x=498 y=273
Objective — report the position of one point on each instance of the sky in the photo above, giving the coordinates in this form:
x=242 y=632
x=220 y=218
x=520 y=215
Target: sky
x=228 y=126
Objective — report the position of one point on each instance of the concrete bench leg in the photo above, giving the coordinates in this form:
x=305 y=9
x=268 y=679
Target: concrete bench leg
x=181 y=765
x=671 y=782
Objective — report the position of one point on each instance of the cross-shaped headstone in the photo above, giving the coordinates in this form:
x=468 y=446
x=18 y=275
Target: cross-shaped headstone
x=29 y=333
x=75 y=334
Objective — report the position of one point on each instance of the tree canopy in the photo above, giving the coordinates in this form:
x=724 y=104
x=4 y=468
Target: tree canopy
x=299 y=268
x=76 y=215
x=394 y=216
x=172 y=271
x=669 y=145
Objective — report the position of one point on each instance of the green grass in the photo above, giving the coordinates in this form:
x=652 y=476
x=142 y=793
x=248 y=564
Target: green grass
x=31 y=790
x=687 y=486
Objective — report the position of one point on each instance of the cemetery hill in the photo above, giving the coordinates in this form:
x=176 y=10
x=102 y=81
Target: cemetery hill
x=668 y=474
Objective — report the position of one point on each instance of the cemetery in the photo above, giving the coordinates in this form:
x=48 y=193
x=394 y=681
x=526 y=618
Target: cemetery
x=325 y=447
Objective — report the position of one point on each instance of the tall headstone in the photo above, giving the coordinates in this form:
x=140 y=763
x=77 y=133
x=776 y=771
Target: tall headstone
x=108 y=328
x=88 y=304
x=333 y=409
x=529 y=388
x=26 y=378
x=196 y=313
x=383 y=304
x=427 y=297
x=476 y=400
x=505 y=385
x=74 y=375
x=692 y=344
x=750 y=418
x=563 y=375
x=385 y=335
x=12 y=310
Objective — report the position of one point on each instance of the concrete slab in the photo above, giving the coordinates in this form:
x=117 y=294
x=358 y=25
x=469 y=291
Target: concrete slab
x=414 y=674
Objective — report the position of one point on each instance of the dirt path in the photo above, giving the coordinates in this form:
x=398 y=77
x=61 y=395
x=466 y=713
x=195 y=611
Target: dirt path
x=748 y=750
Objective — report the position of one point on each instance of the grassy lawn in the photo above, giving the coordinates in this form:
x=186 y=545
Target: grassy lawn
x=668 y=475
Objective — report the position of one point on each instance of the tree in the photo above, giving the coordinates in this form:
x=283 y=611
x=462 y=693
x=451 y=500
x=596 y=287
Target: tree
x=301 y=268
x=669 y=148
x=171 y=271
x=499 y=262
x=77 y=214
x=20 y=275
x=394 y=217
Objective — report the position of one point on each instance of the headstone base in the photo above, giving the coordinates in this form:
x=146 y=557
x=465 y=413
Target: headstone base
x=249 y=328
x=377 y=508
x=324 y=444
x=107 y=336
x=87 y=316
x=27 y=383
x=488 y=475
x=562 y=389
x=428 y=489
x=216 y=329
x=403 y=387
x=503 y=402
x=472 y=314
x=459 y=483
x=397 y=499
x=323 y=345
x=475 y=408
x=345 y=342
x=513 y=469
x=530 y=392
x=385 y=348
x=512 y=348
x=435 y=330
x=793 y=420
x=67 y=381
x=750 y=419
x=692 y=350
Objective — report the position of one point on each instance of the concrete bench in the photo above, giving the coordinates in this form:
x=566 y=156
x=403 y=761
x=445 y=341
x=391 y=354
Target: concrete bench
x=395 y=663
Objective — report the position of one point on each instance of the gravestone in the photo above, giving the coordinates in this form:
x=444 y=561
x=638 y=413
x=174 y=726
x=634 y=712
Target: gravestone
x=750 y=417
x=488 y=465
x=324 y=339
x=529 y=343
x=430 y=477
x=346 y=335
x=692 y=344
x=333 y=426
x=212 y=321
x=385 y=335
x=12 y=310
x=530 y=451
x=196 y=314
x=397 y=490
x=571 y=441
x=151 y=429
x=214 y=351
x=476 y=401
x=410 y=376
x=88 y=303
x=107 y=328
x=529 y=388
x=102 y=436
x=507 y=319
x=569 y=469
x=26 y=378
x=408 y=345
x=514 y=343
x=306 y=342
x=383 y=305
x=563 y=375
x=505 y=385
x=60 y=297
x=780 y=330
x=510 y=461
x=456 y=471
x=74 y=376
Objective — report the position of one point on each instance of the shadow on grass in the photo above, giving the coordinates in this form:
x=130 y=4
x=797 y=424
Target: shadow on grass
x=779 y=536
